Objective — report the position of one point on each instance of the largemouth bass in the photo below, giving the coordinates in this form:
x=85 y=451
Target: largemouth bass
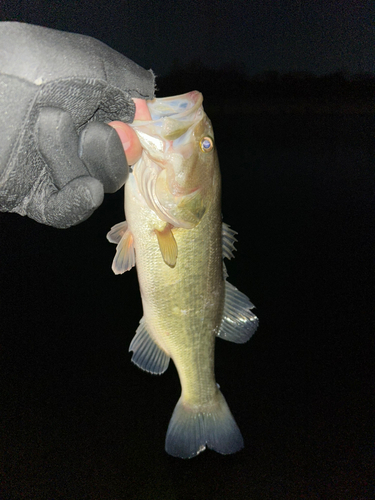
x=175 y=236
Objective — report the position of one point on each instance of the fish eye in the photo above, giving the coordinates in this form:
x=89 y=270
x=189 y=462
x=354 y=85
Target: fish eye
x=206 y=144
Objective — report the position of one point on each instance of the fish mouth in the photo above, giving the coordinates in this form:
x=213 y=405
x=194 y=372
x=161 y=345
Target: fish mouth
x=179 y=106
x=168 y=140
x=171 y=118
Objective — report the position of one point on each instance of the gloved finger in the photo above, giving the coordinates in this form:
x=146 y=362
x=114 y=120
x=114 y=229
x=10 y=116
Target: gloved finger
x=58 y=144
x=74 y=203
x=101 y=150
x=78 y=194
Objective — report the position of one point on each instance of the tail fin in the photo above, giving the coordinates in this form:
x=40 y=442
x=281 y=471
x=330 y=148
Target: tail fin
x=192 y=428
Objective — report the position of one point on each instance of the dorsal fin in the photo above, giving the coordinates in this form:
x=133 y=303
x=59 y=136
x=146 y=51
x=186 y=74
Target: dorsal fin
x=238 y=323
x=228 y=241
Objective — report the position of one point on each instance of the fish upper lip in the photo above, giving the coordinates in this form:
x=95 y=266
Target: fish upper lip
x=194 y=96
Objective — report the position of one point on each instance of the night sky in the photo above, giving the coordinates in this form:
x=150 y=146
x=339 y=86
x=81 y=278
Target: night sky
x=319 y=36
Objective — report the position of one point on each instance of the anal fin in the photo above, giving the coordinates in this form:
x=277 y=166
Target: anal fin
x=146 y=354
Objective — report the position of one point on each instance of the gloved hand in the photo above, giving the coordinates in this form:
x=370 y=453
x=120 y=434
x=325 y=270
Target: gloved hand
x=57 y=90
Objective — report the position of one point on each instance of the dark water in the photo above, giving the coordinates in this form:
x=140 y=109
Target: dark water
x=79 y=421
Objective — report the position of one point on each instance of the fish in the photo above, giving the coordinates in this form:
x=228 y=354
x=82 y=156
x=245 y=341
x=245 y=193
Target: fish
x=175 y=237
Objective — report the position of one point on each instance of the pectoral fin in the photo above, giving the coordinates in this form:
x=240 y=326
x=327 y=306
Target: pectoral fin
x=146 y=354
x=238 y=323
x=167 y=245
x=125 y=254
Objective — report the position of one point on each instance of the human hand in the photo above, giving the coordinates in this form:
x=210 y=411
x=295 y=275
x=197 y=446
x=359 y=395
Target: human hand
x=57 y=91
x=129 y=139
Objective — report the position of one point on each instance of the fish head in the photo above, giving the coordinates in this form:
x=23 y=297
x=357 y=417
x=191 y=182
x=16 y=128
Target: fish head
x=178 y=173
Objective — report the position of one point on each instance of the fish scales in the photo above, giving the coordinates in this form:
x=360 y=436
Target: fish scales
x=174 y=235
x=182 y=303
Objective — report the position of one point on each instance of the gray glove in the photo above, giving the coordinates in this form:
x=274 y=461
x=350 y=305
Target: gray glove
x=57 y=157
